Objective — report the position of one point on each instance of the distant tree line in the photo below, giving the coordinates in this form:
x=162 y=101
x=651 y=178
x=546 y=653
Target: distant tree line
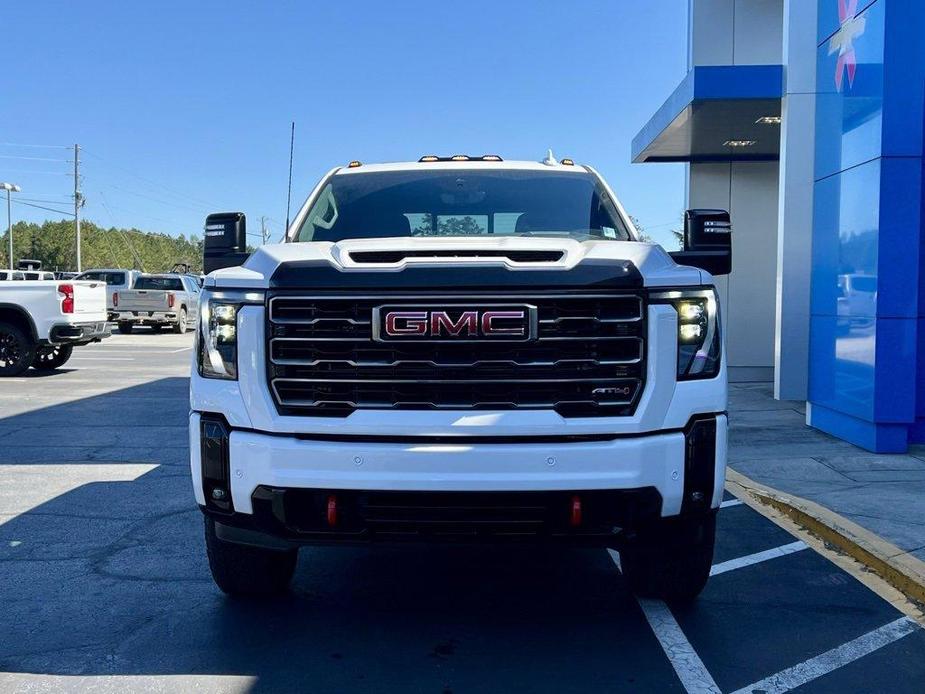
x=55 y=244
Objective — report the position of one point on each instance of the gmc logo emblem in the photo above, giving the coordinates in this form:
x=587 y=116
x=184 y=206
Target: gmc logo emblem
x=463 y=323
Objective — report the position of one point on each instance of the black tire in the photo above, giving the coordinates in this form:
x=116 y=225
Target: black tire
x=670 y=560
x=126 y=328
x=17 y=350
x=50 y=357
x=250 y=571
x=180 y=326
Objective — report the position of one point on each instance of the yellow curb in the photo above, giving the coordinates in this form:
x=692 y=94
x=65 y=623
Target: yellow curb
x=897 y=567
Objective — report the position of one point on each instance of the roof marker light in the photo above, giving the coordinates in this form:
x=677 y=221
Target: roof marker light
x=567 y=162
x=354 y=164
x=491 y=157
x=429 y=158
x=460 y=157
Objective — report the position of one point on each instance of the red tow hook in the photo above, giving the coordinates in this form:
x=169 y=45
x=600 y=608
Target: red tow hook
x=332 y=510
x=575 y=519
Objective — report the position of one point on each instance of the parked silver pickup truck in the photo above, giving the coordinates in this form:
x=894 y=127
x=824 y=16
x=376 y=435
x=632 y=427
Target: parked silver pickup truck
x=159 y=301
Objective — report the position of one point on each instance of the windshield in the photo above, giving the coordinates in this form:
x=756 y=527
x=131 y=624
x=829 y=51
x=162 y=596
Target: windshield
x=159 y=283
x=462 y=203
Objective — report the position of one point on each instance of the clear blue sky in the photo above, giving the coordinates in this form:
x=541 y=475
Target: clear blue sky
x=184 y=107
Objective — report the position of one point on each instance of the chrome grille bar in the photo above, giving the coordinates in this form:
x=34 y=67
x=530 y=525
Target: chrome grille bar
x=588 y=358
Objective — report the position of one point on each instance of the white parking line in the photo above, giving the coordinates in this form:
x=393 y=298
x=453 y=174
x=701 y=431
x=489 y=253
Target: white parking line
x=117 y=350
x=825 y=663
x=103 y=358
x=731 y=502
x=690 y=669
x=757 y=557
x=184 y=349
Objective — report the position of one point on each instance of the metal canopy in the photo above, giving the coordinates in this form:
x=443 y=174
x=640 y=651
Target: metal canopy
x=713 y=108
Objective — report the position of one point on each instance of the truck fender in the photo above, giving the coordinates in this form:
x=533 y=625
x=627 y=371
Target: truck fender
x=18 y=316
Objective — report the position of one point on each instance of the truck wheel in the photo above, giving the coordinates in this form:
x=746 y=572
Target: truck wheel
x=180 y=326
x=16 y=350
x=670 y=560
x=125 y=328
x=48 y=357
x=242 y=570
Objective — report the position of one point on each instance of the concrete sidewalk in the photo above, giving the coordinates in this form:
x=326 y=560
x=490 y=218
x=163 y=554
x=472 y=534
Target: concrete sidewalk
x=770 y=444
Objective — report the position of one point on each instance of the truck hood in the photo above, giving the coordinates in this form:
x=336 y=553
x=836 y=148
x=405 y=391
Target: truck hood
x=515 y=259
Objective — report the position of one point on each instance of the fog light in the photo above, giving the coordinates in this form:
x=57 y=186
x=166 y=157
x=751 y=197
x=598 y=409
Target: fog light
x=214 y=458
x=699 y=464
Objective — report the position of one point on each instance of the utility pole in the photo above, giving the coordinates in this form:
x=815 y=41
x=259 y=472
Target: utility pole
x=78 y=199
x=264 y=234
x=9 y=188
x=9 y=226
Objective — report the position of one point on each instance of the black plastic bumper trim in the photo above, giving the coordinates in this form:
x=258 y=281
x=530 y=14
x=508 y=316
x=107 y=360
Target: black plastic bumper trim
x=462 y=439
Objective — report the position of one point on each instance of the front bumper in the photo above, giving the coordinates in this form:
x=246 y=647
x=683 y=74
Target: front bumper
x=266 y=478
x=78 y=333
x=146 y=317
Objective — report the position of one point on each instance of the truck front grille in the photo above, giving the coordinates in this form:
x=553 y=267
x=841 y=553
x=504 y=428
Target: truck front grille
x=586 y=358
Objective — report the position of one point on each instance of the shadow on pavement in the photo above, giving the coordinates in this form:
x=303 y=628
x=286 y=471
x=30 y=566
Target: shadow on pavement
x=105 y=574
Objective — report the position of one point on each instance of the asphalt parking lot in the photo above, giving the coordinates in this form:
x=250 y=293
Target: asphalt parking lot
x=106 y=588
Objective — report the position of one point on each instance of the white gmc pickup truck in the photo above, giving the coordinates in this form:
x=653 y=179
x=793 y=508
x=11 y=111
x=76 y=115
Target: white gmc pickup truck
x=41 y=321
x=461 y=349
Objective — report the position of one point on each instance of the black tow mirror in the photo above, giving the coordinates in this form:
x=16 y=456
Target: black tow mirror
x=707 y=241
x=225 y=241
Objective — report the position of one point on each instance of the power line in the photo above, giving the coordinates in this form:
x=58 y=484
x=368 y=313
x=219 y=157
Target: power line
x=29 y=204
x=172 y=191
x=136 y=260
x=186 y=206
x=16 y=156
x=26 y=171
x=17 y=144
x=52 y=202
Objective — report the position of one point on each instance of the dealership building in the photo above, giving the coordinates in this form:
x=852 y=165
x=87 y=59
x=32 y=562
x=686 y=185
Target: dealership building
x=804 y=118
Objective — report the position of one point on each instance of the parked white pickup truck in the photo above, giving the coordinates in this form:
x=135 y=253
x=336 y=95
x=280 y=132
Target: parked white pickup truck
x=159 y=301
x=42 y=321
x=461 y=348
x=117 y=280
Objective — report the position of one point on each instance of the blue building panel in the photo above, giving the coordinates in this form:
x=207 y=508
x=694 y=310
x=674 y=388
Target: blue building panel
x=849 y=348
x=849 y=102
x=904 y=91
x=900 y=236
x=846 y=243
x=867 y=345
x=882 y=438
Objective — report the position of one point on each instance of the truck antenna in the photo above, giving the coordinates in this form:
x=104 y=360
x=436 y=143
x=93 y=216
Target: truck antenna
x=289 y=193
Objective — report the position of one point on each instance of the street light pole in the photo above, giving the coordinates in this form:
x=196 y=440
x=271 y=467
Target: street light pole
x=9 y=188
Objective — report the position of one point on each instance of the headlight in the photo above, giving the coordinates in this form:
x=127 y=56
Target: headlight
x=218 y=332
x=699 y=343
